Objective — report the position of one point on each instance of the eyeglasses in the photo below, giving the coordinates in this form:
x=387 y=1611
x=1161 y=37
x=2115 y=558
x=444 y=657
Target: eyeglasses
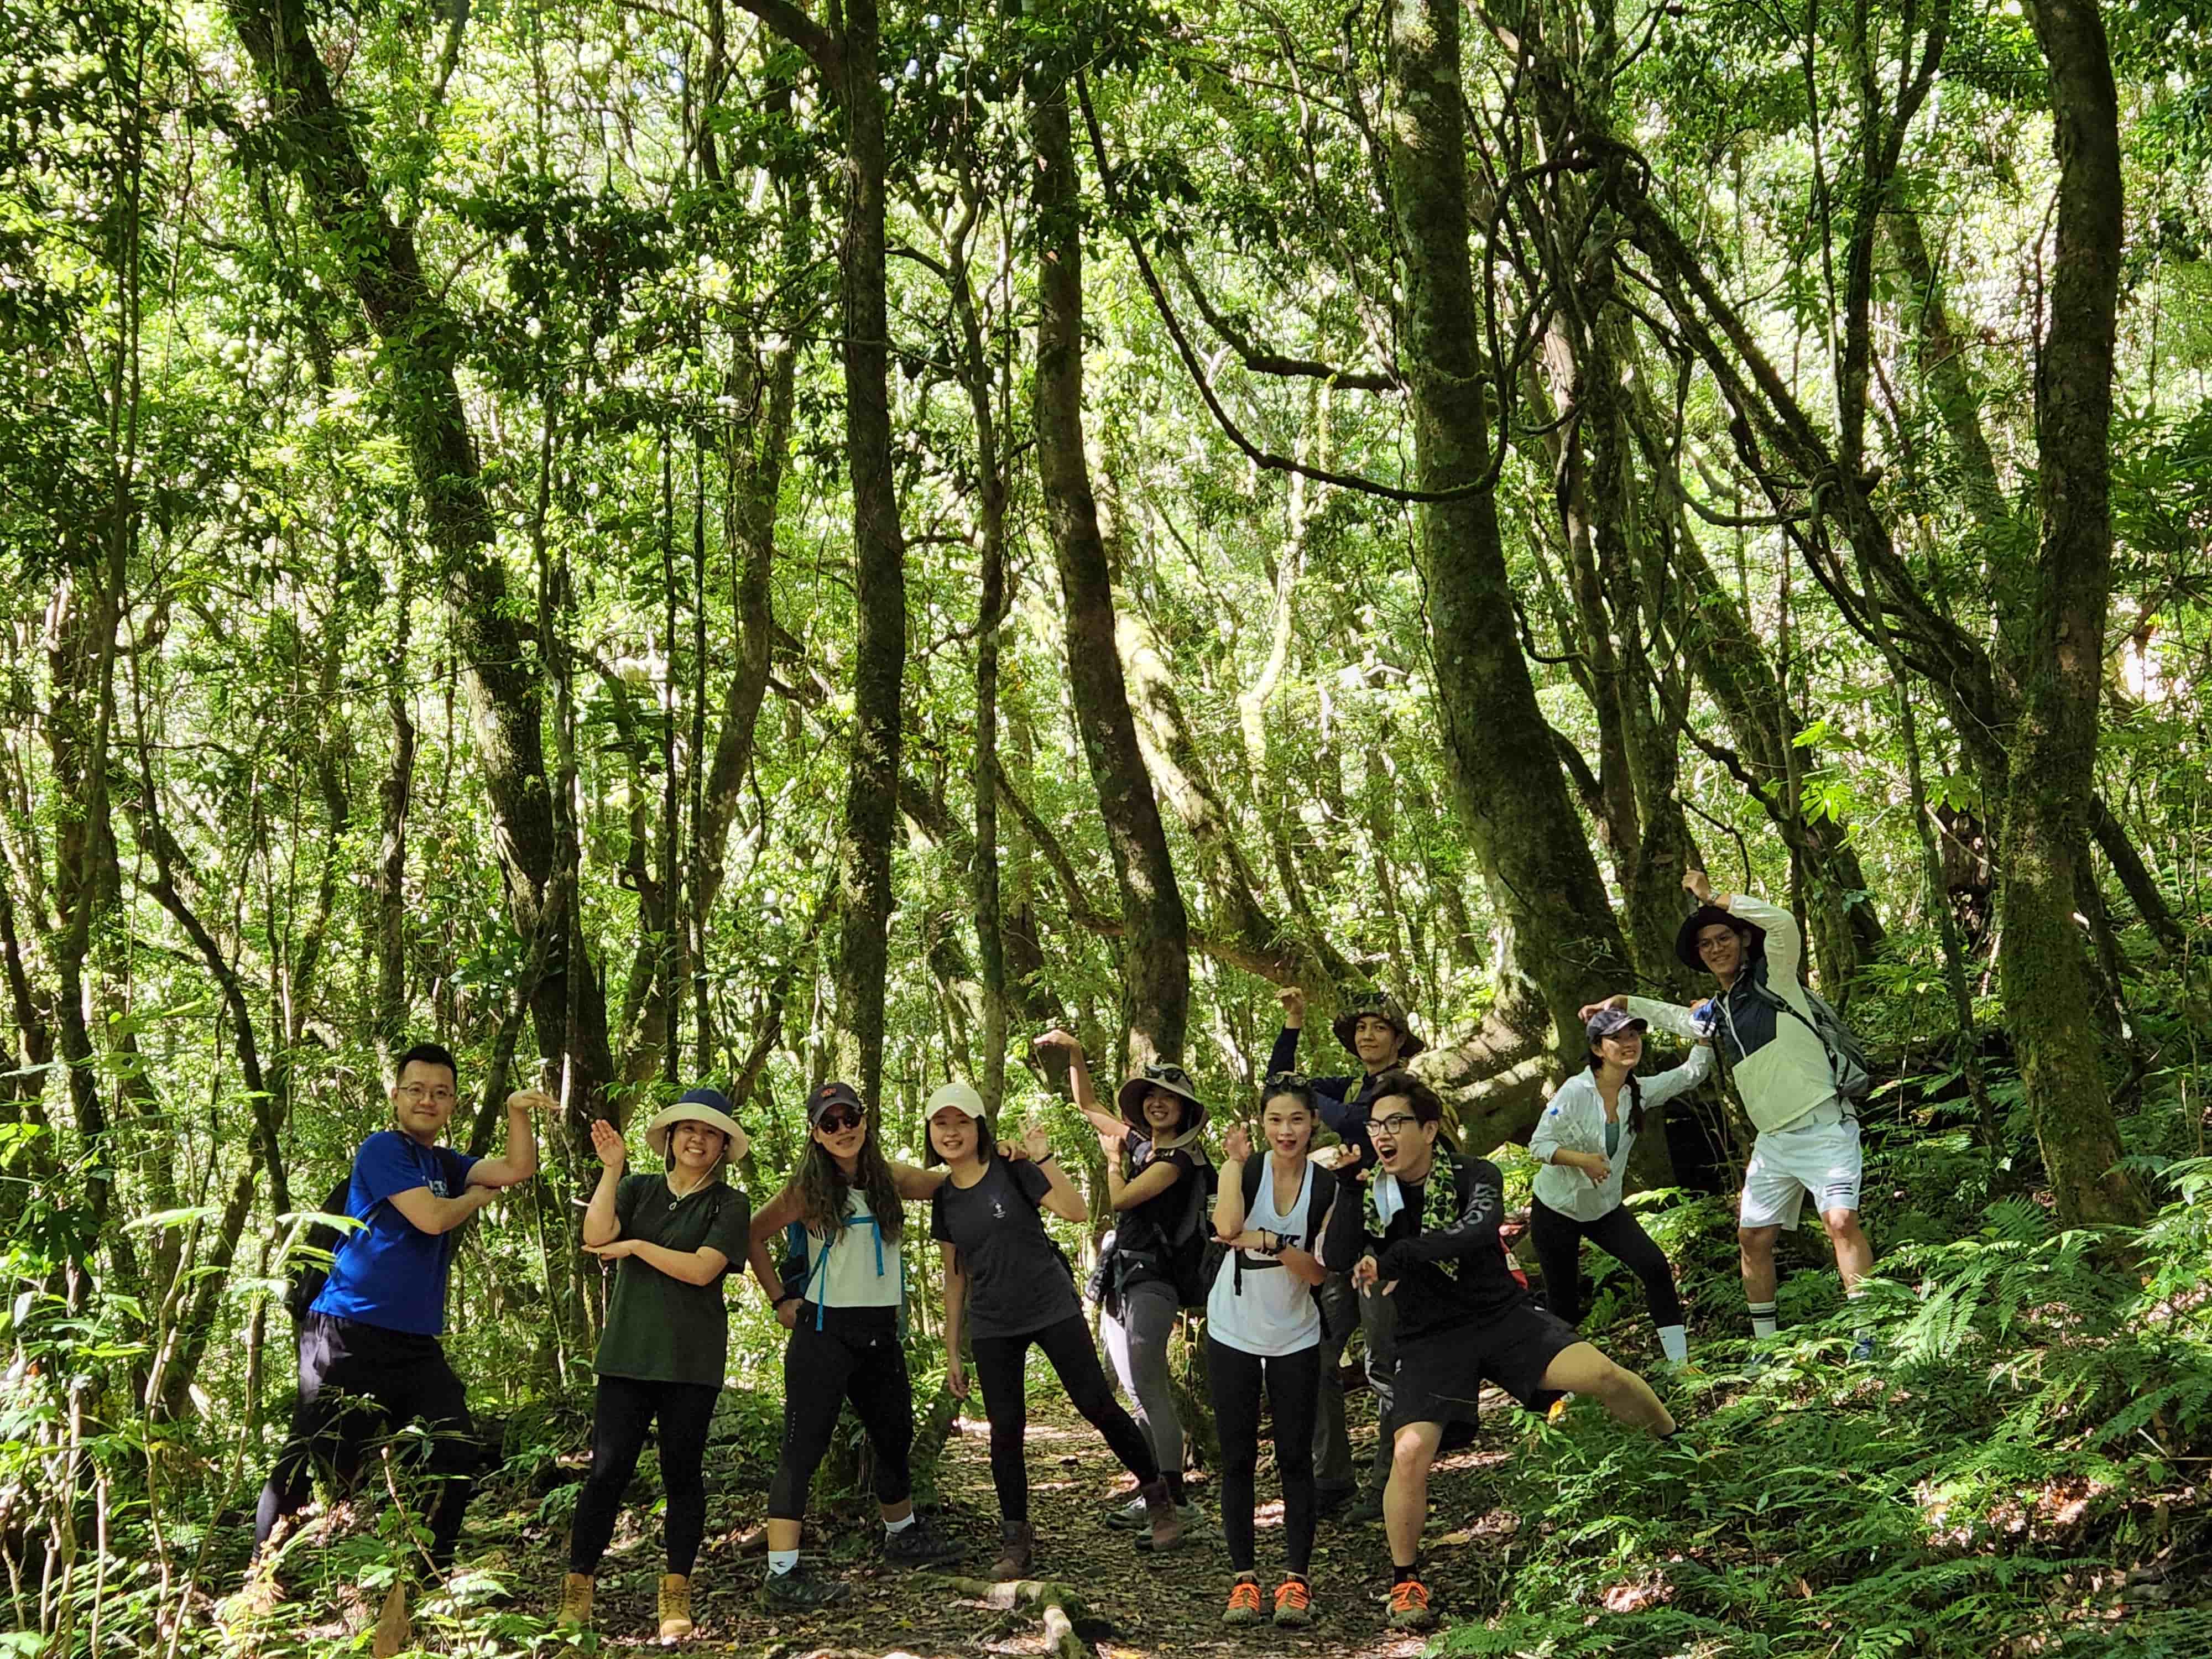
x=1398 y=1124
x=441 y=1096
x=1707 y=946
x=1168 y=1073
x=838 y=1119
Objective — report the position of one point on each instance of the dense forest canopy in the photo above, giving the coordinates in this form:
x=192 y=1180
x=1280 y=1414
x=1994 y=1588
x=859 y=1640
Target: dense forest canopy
x=741 y=542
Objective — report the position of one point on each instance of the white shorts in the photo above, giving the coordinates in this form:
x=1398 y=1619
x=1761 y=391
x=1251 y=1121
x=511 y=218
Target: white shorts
x=1820 y=1158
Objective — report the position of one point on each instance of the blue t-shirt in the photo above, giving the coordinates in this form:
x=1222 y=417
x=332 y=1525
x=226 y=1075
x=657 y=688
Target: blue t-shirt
x=390 y=1273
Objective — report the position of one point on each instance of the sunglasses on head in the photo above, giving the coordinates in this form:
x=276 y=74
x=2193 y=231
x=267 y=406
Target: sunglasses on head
x=838 y=1119
x=1168 y=1073
x=1279 y=1080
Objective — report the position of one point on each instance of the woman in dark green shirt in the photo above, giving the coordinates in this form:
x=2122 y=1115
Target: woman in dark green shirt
x=673 y=1235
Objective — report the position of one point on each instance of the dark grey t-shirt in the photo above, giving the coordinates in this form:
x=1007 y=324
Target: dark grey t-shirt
x=1018 y=1283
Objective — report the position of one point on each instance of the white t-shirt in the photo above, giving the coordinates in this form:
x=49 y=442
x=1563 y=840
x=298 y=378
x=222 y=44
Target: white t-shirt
x=1273 y=1312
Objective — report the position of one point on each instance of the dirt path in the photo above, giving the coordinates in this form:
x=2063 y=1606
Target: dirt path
x=1135 y=1608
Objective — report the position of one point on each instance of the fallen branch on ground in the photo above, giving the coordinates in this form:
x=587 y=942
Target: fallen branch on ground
x=1057 y=1605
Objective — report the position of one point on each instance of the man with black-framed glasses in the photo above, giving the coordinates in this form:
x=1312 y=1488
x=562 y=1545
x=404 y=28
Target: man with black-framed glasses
x=1374 y=1027
x=370 y=1356
x=1422 y=1234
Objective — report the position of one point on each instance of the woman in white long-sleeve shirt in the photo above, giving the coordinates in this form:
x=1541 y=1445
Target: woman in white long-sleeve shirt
x=1581 y=1145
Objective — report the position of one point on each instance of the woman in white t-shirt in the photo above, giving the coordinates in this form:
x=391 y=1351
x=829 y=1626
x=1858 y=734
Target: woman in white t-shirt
x=1263 y=1333
x=1581 y=1146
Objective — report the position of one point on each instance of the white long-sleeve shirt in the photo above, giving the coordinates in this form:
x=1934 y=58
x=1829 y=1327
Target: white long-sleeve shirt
x=1574 y=1121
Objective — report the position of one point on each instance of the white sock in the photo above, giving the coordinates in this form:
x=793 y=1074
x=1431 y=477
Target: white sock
x=1676 y=1342
x=780 y=1562
x=899 y=1526
x=1762 y=1320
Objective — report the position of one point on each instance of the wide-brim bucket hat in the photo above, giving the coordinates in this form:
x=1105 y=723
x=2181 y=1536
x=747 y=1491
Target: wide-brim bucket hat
x=1686 y=936
x=1384 y=1007
x=1129 y=1101
x=702 y=1105
x=962 y=1096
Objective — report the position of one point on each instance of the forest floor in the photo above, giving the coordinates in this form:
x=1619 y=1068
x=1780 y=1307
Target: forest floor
x=1134 y=1604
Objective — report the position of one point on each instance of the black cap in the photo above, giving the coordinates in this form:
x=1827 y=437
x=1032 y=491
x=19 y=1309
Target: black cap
x=828 y=1095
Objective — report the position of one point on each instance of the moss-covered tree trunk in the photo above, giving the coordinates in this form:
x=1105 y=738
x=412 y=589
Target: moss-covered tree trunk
x=1155 y=932
x=2049 y=813
x=1566 y=947
x=313 y=138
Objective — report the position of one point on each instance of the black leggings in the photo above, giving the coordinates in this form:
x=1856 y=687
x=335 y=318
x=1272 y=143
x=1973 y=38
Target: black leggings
x=358 y=1382
x=1002 y=1363
x=627 y=1405
x=1292 y=1382
x=855 y=1356
x=1558 y=1240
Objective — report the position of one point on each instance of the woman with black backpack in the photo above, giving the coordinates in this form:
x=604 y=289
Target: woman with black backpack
x=1007 y=1286
x=1158 y=1179
x=1263 y=1334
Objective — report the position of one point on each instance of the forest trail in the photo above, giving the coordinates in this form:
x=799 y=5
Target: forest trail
x=1133 y=1607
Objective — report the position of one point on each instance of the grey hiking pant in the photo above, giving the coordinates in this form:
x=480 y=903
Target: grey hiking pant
x=1376 y=1316
x=1137 y=1343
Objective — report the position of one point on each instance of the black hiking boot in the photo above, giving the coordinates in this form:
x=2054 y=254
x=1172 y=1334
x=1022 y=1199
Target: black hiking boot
x=800 y=1590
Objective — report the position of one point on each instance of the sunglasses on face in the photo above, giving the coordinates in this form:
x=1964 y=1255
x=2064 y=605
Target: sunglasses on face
x=838 y=1119
x=1174 y=1074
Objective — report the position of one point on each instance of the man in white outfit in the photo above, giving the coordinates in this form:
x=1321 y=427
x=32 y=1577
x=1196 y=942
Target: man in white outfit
x=1809 y=1139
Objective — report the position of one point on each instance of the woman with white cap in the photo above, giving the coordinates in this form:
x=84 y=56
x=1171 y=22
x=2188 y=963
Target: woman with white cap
x=1155 y=1163
x=1581 y=1146
x=673 y=1235
x=1007 y=1286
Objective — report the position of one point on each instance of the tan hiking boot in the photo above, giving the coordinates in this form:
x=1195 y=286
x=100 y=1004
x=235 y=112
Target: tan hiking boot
x=1017 y=1550
x=675 y=1607
x=575 y=1612
x=1166 y=1520
x=394 y=1633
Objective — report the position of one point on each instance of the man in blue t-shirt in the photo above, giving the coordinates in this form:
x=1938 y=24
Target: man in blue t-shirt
x=370 y=1359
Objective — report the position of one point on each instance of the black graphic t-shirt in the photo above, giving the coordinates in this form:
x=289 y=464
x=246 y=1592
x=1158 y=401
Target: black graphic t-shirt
x=1016 y=1282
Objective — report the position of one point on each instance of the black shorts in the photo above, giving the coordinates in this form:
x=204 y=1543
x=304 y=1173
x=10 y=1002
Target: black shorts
x=1440 y=1377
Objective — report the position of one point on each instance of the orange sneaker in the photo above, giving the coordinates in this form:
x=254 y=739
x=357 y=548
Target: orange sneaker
x=1244 y=1603
x=1409 y=1606
x=1293 y=1603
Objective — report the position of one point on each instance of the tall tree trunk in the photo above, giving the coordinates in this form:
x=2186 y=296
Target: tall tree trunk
x=1155 y=942
x=315 y=140
x=864 y=850
x=2045 y=840
x=1565 y=945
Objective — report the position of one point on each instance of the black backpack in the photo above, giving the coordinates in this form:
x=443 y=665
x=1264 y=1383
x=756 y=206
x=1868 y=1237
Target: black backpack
x=316 y=1253
x=1308 y=1230
x=1181 y=1247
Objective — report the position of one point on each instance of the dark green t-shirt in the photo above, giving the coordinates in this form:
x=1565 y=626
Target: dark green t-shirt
x=660 y=1329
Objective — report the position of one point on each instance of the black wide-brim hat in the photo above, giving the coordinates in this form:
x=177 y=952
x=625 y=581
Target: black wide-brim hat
x=1686 y=936
x=1385 y=1008
x=1129 y=1101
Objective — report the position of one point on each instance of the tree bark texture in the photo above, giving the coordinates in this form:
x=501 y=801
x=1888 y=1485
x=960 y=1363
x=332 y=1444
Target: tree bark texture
x=2044 y=844
x=864 y=852
x=1505 y=767
x=1155 y=942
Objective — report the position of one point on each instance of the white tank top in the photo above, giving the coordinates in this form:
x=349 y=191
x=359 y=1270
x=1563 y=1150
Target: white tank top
x=860 y=1268
x=1273 y=1313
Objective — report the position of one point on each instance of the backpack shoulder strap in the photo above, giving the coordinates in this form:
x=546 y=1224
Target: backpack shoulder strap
x=1254 y=1167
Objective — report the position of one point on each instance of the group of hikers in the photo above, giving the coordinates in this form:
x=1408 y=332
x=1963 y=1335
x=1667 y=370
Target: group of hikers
x=1394 y=1231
